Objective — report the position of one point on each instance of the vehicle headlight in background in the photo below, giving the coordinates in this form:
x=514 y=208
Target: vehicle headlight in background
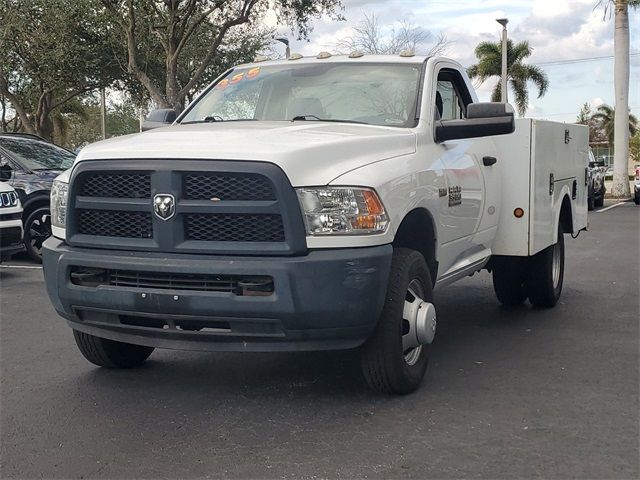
x=59 y=194
x=342 y=211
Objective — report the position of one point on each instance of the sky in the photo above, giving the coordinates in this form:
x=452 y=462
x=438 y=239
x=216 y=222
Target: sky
x=568 y=38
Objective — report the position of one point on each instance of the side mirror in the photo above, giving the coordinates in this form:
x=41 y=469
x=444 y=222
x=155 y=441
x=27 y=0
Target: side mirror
x=483 y=120
x=5 y=170
x=159 y=118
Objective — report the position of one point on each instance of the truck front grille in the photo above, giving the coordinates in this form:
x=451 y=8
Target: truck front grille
x=234 y=228
x=214 y=207
x=220 y=186
x=109 y=223
x=116 y=185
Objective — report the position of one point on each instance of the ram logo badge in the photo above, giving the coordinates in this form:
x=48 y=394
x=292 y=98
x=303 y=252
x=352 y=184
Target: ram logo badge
x=164 y=206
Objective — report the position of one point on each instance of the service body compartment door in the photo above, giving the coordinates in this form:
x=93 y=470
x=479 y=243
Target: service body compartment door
x=544 y=163
x=559 y=156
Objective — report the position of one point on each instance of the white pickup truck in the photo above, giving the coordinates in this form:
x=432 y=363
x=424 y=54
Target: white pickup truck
x=312 y=203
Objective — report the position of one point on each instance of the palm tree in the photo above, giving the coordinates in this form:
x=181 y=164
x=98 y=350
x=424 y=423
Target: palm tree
x=605 y=117
x=489 y=65
x=621 y=79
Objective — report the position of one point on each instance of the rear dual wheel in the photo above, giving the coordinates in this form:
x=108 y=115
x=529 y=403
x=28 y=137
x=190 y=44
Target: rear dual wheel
x=539 y=277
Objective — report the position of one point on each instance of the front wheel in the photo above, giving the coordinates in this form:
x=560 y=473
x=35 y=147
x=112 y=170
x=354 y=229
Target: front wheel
x=546 y=275
x=636 y=197
x=394 y=359
x=599 y=202
x=109 y=353
x=37 y=228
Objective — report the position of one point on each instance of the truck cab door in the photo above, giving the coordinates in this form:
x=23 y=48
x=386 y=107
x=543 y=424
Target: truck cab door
x=470 y=210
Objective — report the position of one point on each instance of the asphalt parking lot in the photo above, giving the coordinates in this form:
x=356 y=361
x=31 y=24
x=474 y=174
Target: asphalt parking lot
x=509 y=393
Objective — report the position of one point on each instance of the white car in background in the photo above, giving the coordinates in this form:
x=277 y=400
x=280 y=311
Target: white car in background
x=10 y=221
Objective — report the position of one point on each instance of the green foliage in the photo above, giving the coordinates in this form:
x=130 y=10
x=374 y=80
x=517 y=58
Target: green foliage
x=634 y=147
x=585 y=117
x=85 y=127
x=52 y=51
x=174 y=47
x=489 y=55
x=605 y=120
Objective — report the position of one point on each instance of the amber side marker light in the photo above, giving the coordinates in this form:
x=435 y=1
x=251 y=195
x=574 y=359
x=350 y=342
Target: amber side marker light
x=518 y=212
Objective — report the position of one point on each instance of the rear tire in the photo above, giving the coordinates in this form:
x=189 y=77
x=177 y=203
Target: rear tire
x=546 y=275
x=109 y=353
x=591 y=204
x=386 y=367
x=509 y=280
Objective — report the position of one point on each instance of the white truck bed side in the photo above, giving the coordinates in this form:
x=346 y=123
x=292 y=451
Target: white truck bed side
x=534 y=152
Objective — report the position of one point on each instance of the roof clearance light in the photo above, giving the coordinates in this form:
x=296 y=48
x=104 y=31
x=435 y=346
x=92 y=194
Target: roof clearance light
x=323 y=55
x=407 y=53
x=295 y=56
x=356 y=54
x=260 y=58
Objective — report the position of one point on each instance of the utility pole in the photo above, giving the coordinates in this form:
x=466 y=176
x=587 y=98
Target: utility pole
x=284 y=40
x=503 y=76
x=103 y=113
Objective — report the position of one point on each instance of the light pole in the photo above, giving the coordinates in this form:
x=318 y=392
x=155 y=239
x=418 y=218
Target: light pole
x=503 y=76
x=284 y=40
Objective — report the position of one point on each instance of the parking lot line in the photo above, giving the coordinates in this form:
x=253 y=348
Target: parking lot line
x=610 y=207
x=27 y=267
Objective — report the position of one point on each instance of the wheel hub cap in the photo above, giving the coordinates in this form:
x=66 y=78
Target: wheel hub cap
x=420 y=318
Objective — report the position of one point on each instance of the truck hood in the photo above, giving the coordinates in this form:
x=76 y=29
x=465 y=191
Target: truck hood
x=310 y=153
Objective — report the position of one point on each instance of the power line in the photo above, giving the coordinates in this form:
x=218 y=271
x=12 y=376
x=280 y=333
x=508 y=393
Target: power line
x=582 y=60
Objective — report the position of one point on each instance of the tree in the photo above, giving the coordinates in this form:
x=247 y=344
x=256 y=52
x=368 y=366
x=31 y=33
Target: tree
x=489 y=55
x=585 y=117
x=621 y=79
x=604 y=117
x=51 y=52
x=368 y=37
x=173 y=46
x=634 y=148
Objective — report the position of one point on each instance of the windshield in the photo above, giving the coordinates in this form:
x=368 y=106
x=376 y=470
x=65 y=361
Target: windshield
x=35 y=154
x=377 y=94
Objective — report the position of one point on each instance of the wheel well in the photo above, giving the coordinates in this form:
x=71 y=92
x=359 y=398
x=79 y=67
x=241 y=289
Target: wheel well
x=566 y=219
x=417 y=232
x=32 y=203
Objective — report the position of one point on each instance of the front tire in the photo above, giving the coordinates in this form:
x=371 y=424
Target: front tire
x=109 y=353
x=386 y=365
x=636 y=197
x=599 y=202
x=546 y=275
x=37 y=228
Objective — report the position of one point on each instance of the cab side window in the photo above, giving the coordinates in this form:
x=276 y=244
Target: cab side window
x=452 y=96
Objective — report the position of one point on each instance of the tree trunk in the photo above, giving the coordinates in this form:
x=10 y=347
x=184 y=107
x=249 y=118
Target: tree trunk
x=621 y=78
x=43 y=123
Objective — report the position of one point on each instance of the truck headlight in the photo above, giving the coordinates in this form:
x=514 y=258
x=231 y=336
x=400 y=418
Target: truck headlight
x=342 y=211
x=59 y=194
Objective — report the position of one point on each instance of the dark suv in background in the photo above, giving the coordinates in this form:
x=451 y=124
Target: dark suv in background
x=29 y=164
x=595 y=182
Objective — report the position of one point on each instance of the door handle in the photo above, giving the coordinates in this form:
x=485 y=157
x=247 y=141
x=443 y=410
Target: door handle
x=488 y=161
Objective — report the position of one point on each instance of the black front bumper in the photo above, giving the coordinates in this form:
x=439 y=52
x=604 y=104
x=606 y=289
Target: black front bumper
x=327 y=299
x=10 y=241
